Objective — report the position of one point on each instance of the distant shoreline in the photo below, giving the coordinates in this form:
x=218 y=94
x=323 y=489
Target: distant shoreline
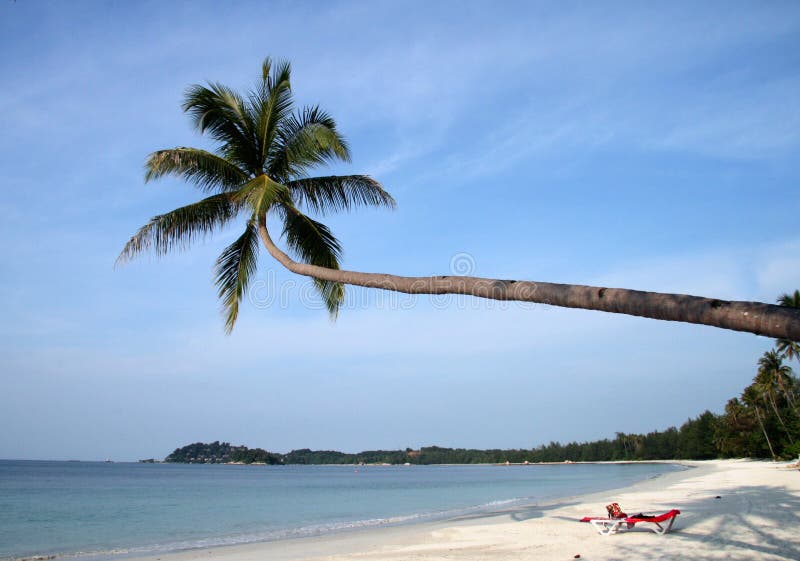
x=488 y=464
x=498 y=464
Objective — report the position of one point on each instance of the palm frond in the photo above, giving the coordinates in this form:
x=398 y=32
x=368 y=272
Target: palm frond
x=271 y=104
x=222 y=113
x=179 y=228
x=280 y=74
x=311 y=240
x=770 y=361
x=304 y=140
x=266 y=66
x=790 y=300
x=315 y=244
x=334 y=193
x=332 y=294
x=234 y=270
x=205 y=170
x=788 y=349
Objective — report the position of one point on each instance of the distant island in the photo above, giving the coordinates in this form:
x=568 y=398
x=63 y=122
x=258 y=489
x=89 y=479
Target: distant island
x=222 y=453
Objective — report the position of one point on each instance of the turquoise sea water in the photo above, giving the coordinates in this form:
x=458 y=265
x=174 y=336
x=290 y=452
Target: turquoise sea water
x=86 y=508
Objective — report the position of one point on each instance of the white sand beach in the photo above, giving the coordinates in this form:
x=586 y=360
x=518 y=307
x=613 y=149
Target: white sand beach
x=755 y=517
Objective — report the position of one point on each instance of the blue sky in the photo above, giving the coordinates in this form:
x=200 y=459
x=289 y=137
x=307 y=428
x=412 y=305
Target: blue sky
x=618 y=144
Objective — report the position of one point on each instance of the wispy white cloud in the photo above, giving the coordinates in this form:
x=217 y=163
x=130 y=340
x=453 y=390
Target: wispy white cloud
x=760 y=121
x=580 y=84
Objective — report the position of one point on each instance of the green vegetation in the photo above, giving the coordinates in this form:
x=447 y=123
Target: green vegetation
x=221 y=453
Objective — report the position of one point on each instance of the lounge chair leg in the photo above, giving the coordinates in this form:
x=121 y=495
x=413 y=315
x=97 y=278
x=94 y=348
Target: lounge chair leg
x=663 y=530
x=606 y=528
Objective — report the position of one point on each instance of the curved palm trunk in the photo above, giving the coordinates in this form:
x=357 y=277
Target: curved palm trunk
x=764 y=430
x=753 y=317
x=777 y=414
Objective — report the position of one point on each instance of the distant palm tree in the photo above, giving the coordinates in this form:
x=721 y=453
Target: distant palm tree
x=790 y=300
x=776 y=377
x=789 y=349
x=771 y=380
x=260 y=170
x=721 y=437
x=750 y=397
x=734 y=430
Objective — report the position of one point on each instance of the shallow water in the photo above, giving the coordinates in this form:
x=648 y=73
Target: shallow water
x=87 y=508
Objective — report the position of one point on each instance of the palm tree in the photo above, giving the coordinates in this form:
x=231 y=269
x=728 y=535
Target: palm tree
x=789 y=349
x=768 y=382
x=736 y=424
x=261 y=167
x=259 y=172
x=750 y=398
x=774 y=376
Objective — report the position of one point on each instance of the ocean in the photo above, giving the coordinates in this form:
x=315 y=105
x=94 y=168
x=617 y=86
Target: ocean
x=101 y=510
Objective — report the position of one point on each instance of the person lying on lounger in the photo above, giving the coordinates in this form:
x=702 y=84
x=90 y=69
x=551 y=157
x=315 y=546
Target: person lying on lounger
x=617 y=519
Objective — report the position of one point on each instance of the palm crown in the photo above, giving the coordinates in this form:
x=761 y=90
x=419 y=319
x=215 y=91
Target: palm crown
x=773 y=372
x=265 y=152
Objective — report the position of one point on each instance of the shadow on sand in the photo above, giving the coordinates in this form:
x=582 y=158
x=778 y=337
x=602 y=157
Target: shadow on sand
x=748 y=522
x=518 y=514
